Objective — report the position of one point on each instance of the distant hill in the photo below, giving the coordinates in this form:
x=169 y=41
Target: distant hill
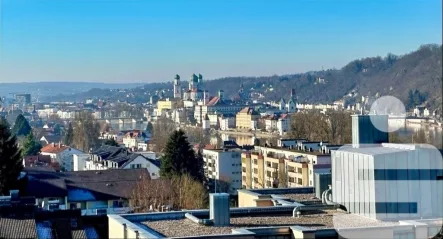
x=419 y=71
x=40 y=90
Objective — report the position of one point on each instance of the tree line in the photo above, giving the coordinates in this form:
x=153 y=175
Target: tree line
x=334 y=126
x=182 y=184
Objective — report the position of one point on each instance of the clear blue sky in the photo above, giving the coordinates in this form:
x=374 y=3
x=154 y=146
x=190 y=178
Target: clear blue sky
x=152 y=40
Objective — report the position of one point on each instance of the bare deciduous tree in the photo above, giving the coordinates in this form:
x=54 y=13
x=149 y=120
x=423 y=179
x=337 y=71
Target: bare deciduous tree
x=177 y=193
x=162 y=128
x=86 y=132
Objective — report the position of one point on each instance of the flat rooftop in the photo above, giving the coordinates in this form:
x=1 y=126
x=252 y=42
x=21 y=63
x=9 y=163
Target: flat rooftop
x=322 y=220
x=299 y=197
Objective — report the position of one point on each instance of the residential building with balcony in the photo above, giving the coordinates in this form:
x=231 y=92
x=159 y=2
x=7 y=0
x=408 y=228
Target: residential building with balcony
x=223 y=165
x=252 y=170
x=269 y=167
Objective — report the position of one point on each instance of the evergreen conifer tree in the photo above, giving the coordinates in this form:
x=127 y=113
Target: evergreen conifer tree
x=10 y=159
x=149 y=127
x=179 y=158
x=69 y=135
x=30 y=146
x=111 y=142
x=21 y=126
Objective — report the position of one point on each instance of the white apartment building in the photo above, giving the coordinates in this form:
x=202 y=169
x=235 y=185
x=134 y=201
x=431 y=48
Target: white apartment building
x=283 y=124
x=224 y=165
x=227 y=123
x=271 y=123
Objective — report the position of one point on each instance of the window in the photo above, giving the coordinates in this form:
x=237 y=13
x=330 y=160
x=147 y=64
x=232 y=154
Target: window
x=136 y=165
x=117 y=204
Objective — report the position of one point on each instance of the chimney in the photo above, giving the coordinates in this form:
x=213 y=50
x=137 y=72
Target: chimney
x=53 y=144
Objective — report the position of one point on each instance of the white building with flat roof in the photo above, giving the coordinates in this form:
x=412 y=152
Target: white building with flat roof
x=224 y=165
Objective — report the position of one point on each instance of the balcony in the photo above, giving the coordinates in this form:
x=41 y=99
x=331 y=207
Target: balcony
x=104 y=211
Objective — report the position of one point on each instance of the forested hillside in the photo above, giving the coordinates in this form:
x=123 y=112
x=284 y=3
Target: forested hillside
x=420 y=70
x=415 y=78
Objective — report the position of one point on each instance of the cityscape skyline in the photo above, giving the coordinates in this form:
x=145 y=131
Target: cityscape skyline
x=134 y=41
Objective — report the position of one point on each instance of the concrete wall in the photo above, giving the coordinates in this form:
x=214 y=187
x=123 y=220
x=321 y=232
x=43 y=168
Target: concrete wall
x=247 y=198
x=120 y=228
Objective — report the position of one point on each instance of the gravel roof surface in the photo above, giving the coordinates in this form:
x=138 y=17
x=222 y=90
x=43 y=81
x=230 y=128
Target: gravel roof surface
x=299 y=197
x=328 y=219
x=185 y=227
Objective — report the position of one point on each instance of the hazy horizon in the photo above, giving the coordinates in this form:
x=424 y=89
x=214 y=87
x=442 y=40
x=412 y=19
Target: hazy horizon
x=146 y=42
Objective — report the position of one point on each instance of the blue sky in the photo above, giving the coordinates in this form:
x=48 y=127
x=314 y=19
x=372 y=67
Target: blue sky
x=151 y=41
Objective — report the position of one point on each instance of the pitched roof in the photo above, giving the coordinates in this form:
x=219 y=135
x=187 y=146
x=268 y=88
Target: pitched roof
x=249 y=111
x=284 y=116
x=214 y=101
x=135 y=134
x=83 y=185
x=54 y=148
x=17 y=228
x=51 y=139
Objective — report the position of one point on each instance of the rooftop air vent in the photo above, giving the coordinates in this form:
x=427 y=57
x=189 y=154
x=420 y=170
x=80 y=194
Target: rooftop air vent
x=108 y=184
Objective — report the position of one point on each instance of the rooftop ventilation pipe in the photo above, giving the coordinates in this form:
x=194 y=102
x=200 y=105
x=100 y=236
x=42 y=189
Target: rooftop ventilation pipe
x=206 y=222
x=326 y=200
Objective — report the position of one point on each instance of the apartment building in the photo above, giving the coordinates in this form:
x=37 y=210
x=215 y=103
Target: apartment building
x=166 y=104
x=268 y=167
x=245 y=117
x=223 y=165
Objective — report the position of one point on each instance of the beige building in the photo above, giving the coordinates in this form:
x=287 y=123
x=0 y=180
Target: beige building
x=245 y=117
x=267 y=167
x=167 y=104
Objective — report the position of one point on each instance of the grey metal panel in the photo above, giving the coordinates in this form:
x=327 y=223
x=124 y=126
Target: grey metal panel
x=371 y=182
x=414 y=192
x=345 y=180
x=361 y=185
x=425 y=187
x=322 y=180
x=351 y=182
x=356 y=199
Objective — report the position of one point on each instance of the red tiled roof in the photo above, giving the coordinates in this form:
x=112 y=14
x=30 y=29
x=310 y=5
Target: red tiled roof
x=213 y=101
x=133 y=134
x=284 y=116
x=54 y=148
x=209 y=146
